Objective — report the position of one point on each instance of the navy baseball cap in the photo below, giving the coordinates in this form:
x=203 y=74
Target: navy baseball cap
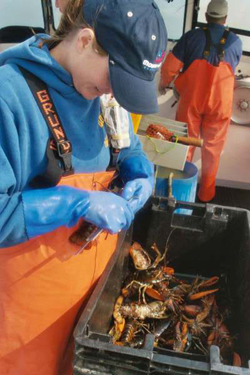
x=134 y=35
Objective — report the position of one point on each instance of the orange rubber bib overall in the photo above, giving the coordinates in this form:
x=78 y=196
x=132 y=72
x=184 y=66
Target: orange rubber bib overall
x=42 y=287
x=206 y=95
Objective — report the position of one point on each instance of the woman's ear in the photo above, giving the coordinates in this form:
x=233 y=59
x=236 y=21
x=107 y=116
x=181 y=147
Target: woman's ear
x=85 y=39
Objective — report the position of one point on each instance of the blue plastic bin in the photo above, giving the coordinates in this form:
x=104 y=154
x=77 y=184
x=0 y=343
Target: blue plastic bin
x=184 y=184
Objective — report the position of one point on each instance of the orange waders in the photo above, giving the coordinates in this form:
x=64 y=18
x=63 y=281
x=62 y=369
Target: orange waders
x=42 y=287
x=206 y=95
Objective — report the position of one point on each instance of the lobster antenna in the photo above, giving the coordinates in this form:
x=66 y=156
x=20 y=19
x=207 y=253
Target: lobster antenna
x=166 y=247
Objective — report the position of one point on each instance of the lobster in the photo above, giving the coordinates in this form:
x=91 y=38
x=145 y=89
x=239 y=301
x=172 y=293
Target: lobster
x=154 y=310
x=161 y=132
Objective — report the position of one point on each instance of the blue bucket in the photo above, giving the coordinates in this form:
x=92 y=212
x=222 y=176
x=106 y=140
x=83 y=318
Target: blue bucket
x=184 y=184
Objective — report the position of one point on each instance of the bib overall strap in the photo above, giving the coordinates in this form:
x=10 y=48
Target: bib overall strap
x=220 y=48
x=208 y=45
x=114 y=153
x=59 y=149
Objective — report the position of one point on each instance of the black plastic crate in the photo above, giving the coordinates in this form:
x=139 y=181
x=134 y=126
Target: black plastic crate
x=215 y=240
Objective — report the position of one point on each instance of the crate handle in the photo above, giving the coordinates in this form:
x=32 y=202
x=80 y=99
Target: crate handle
x=205 y=214
x=218 y=367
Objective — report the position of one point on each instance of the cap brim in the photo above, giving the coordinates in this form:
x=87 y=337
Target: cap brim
x=216 y=15
x=134 y=94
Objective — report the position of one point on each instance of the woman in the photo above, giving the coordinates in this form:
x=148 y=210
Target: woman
x=136 y=118
x=54 y=160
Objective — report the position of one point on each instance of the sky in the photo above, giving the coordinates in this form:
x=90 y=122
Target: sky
x=173 y=13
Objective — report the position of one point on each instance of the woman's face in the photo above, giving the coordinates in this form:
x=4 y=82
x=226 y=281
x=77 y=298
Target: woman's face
x=89 y=69
x=91 y=76
x=61 y=4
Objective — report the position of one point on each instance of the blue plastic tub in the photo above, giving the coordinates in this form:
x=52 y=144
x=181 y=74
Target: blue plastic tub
x=184 y=184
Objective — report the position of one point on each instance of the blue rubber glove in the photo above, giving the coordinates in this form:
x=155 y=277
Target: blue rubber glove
x=137 y=192
x=137 y=173
x=47 y=209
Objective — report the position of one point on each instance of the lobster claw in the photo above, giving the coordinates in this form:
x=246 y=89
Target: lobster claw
x=213 y=280
x=236 y=359
x=203 y=284
x=199 y=295
x=151 y=292
x=140 y=257
x=181 y=330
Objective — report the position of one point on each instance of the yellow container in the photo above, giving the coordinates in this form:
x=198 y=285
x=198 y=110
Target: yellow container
x=136 y=121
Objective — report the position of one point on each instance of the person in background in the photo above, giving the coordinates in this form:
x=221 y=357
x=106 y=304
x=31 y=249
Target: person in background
x=55 y=173
x=204 y=62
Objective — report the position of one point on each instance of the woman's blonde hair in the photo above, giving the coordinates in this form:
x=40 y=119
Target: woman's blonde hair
x=71 y=21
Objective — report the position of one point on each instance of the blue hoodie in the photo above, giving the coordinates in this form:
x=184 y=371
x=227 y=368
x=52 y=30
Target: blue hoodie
x=24 y=133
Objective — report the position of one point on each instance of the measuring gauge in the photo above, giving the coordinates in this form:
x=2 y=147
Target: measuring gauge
x=241 y=102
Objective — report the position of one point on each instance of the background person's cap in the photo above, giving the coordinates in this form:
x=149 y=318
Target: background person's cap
x=217 y=8
x=134 y=35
